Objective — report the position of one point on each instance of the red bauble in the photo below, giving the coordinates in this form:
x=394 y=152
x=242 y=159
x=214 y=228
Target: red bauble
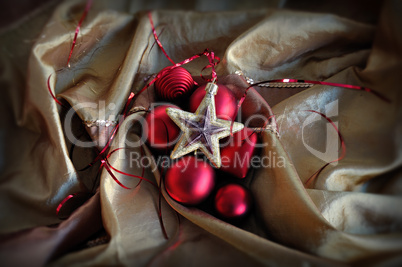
x=161 y=132
x=225 y=102
x=173 y=83
x=190 y=180
x=233 y=201
x=237 y=154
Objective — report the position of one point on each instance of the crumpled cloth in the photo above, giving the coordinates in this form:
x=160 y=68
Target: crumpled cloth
x=348 y=215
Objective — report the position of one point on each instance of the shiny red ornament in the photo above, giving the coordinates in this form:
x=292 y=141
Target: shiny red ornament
x=160 y=131
x=237 y=154
x=190 y=180
x=225 y=102
x=233 y=201
x=174 y=83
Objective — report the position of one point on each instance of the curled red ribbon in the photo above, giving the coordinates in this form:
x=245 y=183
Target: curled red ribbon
x=157 y=38
x=343 y=146
x=63 y=202
x=51 y=92
x=209 y=54
x=77 y=29
x=124 y=173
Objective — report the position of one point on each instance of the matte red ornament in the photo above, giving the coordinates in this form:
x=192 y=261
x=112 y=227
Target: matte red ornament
x=161 y=132
x=174 y=83
x=237 y=154
x=190 y=180
x=225 y=102
x=233 y=201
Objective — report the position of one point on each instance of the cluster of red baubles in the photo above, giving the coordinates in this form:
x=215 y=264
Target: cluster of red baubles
x=190 y=180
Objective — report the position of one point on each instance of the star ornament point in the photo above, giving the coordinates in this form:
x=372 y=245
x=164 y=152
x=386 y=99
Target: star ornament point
x=201 y=130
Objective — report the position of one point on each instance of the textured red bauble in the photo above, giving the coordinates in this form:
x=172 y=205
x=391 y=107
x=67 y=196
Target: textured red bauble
x=190 y=180
x=161 y=132
x=174 y=83
x=237 y=154
x=225 y=102
x=233 y=201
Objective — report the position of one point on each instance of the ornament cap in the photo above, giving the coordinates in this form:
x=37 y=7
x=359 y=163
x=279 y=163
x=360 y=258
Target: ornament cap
x=211 y=88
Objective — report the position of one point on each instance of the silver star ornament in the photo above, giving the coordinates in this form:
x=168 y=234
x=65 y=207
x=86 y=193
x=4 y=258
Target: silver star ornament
x=202 y=130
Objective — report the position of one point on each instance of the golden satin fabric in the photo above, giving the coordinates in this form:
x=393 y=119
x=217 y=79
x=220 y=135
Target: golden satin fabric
x=349 y=215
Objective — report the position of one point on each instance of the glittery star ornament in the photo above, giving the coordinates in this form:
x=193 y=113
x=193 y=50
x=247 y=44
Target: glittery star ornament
x=202 y=130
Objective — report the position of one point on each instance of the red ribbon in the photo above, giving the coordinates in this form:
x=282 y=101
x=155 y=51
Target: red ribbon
x=343 y=146
x=209 y=54
x=157 y=39
x=63 y=202
x=77 y=29
x=124 y=173
x=51 y=92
